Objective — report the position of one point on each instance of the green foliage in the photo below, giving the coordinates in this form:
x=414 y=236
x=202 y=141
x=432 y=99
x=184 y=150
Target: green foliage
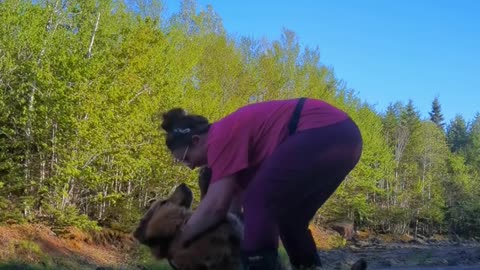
x=25 y=246
x=436 y=115
x=71 y=216
x=27 y=252
x=457 y=135
x=462 y=193
x=473 y=148
x=82 y=85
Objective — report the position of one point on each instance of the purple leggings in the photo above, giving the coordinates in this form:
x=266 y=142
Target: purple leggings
x=293 y=183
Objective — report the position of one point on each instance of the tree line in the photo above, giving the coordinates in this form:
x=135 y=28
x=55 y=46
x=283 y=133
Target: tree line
x=82 y=83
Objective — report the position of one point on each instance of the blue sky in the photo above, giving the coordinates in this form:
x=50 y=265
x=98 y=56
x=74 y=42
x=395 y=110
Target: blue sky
x=386 y=51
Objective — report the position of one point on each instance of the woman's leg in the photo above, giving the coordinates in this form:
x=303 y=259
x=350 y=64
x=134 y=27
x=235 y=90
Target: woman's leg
x=293 y=184
x=260 y=243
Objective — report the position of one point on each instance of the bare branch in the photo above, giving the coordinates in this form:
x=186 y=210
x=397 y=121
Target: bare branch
x=145 y=88
x=90 y=47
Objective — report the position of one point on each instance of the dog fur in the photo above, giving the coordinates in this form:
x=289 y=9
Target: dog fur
x=218 y=248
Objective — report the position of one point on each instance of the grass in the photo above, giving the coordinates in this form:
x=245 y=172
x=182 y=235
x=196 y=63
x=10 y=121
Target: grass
x=46 y=263
x=150 y=266
x=142 y=258
x=20 y=266
x=158 y=266
x=26 y=266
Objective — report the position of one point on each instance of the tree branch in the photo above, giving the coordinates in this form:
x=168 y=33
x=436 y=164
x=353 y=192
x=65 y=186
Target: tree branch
x=89 y=54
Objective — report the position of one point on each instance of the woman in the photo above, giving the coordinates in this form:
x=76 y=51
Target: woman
x=279 y=160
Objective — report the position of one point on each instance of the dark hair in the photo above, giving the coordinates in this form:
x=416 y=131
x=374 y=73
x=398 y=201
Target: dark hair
x=180 y=127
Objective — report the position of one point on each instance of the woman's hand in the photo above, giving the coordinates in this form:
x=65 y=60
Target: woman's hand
x=211 y=210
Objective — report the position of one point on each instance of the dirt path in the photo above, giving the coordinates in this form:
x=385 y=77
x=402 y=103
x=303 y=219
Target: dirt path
x=406 y=256
x=432 y=268
x=36 y=244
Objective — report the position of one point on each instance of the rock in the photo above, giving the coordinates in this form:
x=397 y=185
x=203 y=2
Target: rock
x=354 y=248
x=376 y=241
x=444 y=262
x=406 y=238
x=344 y=228
x=362 y=235
x=362 y=244
x=424 y=238
x=418 y=241
x=432 y=240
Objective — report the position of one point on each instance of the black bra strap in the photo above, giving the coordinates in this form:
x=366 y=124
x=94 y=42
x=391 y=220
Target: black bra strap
x=292 y=126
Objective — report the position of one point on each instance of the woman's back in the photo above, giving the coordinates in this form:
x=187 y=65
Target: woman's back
x=247 y=136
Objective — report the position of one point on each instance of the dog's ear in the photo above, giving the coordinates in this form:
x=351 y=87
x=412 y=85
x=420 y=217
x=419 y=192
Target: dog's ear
x=182 y=196
x=140 y=232
x=150 y=203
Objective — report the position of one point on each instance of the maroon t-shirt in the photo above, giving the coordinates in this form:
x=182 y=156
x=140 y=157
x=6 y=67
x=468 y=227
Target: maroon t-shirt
x=243 y=139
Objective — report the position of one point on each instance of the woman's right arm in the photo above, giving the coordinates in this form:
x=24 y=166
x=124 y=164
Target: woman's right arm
x=236 y=206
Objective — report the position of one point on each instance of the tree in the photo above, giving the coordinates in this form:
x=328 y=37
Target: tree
x=457 y=135
x=410 y=117
x=436 y=114
x=82 y=84
x=427 y=196
x=473 y=148
x=462 y=197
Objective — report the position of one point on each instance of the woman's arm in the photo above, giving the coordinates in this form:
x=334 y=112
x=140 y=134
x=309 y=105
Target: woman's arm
x=236 y=205
x=212 y=209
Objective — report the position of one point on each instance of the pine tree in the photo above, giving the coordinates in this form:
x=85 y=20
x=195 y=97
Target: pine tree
x=473 y=149
x=457 y=135
x=410 y=117
x=436 y=114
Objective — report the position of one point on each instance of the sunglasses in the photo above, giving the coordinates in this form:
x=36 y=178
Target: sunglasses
x=176 y=160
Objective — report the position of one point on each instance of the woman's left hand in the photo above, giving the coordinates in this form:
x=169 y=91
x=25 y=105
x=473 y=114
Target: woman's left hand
x=211 y=210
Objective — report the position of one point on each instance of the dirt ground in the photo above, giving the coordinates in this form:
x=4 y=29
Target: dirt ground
x=38 y=245
x=425 y=256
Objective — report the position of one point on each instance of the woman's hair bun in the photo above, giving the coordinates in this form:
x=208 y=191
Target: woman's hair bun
x=172 y=117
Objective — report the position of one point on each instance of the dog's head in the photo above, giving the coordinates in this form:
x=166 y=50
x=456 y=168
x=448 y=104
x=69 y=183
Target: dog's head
x=163 y=219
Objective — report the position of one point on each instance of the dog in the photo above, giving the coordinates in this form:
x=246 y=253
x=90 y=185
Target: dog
x=218 y=248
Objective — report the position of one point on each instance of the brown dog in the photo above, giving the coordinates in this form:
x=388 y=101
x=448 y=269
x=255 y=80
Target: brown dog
x=218 y=248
